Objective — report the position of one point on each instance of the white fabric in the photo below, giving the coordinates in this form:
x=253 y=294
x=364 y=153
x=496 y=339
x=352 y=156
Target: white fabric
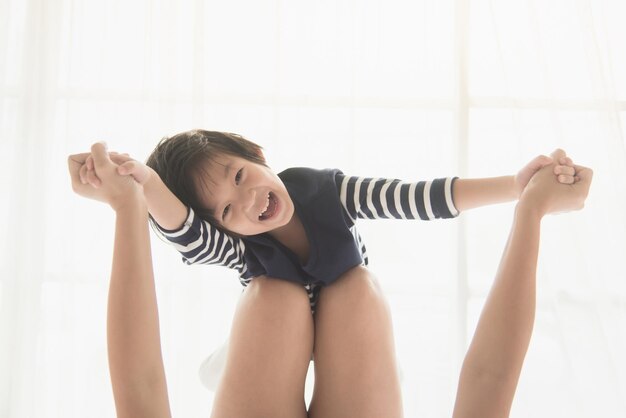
x=212 y=368
x=405 y=89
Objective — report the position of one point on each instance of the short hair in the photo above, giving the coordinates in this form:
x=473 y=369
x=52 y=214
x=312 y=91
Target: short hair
x=179 y=159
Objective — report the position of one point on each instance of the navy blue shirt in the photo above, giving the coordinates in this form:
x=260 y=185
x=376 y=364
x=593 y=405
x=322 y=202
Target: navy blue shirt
x=333 y=249
x=328 y=204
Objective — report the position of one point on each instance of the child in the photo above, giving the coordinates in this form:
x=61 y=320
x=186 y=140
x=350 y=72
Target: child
x=492 y=365
x=213 y=196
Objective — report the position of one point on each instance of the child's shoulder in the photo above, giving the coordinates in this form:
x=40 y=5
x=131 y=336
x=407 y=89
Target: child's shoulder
x=308 y=174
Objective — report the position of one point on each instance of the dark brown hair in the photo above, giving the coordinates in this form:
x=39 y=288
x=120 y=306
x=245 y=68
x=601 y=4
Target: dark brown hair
x=179 y=159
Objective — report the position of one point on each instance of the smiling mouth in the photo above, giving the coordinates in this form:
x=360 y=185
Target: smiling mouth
x=271 y=208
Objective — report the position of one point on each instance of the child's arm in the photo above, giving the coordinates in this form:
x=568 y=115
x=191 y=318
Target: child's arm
x=166 y=209
x=196 y=239
x=379 y=198
x=473 y=193
x=133 y=338
x=494 y=359
x=163 y=205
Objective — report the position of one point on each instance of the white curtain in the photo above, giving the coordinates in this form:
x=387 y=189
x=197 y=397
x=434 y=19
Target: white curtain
x=406 y=89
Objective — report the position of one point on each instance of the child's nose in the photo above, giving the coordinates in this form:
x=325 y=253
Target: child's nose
x=249 y=199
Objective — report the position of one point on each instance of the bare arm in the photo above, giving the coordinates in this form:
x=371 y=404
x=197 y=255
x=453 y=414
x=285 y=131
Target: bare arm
x=163 y=205
x=473 y=193
x=168 y=211
x=494 y=360
x=195 y=238
x=133 y=338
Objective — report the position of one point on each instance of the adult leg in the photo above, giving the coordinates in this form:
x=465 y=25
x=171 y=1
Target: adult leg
x=356 y=373
x=269 y=353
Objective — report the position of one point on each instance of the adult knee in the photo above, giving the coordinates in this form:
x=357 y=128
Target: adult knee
x=277 y=294
x=358 y=291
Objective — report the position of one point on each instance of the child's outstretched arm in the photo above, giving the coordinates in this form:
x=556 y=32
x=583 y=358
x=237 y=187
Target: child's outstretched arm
x=473 y=193
x=493 y=363
x=133 y=337
x=166 y=209
x=197 y=240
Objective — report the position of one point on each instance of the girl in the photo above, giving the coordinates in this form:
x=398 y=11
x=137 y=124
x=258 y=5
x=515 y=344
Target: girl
x=243 y=374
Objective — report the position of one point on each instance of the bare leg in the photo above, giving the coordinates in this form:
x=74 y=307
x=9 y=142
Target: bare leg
x=355 y=364
x=269 y=353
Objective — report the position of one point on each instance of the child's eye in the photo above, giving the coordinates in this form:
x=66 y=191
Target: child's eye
x=225 y=211
x=238 y=176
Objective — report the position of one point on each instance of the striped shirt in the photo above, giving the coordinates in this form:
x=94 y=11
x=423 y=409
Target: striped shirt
x=328 y=204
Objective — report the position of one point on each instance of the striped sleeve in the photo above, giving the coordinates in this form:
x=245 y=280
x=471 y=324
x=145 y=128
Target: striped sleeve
x=379 y=198
x=199 y=242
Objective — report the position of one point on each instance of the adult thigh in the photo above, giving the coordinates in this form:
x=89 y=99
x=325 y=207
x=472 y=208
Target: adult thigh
x=356 y=373
x=269 y=353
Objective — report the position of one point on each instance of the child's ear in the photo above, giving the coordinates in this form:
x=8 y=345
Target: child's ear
x=260 y=154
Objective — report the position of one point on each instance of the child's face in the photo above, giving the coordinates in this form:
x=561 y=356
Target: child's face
x=237 y=190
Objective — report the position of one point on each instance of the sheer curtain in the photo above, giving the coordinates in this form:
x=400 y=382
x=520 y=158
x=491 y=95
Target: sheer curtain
x=406 y=89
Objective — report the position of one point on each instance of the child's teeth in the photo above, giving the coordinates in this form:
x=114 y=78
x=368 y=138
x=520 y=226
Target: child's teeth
x=266 y=204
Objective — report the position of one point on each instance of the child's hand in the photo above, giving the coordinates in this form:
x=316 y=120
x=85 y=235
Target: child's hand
x=563 y=169
x=131 y=167
x=110 y=187
x=127 y=167
x=547 y=193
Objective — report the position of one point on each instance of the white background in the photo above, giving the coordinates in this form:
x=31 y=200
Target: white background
x=406 y=89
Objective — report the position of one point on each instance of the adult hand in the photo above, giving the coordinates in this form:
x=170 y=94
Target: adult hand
x=545 y=194
x=111 y=187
